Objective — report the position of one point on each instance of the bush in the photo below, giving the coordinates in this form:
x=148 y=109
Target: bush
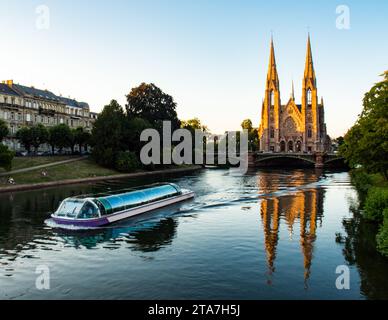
x=375 y=204
x=127 y=162
x=104 y=157
x=363 y=183
x=382 y=237
x=6 y=157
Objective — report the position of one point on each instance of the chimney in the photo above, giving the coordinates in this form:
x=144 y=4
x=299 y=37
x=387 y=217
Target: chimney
x=10 y=83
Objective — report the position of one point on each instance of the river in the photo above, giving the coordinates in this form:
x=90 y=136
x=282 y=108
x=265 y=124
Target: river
x=271 y=234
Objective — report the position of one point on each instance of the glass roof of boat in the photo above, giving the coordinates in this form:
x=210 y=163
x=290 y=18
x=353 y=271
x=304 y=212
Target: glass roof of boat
x=126 y=200
x=126 y=190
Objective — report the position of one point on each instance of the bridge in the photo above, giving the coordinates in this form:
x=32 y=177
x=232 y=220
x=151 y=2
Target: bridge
x=283 y=159
x=317 y=159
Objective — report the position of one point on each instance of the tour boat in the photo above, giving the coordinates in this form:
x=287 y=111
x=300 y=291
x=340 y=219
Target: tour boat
x=103 y=209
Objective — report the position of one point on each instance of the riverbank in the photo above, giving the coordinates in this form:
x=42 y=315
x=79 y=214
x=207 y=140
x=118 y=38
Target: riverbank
x=373 y=195
x=80 y=172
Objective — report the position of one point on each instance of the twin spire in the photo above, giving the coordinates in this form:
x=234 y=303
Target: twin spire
x=272 y=71
x=309 y=73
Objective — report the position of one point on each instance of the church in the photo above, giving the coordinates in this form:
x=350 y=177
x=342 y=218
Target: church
x=297 y=128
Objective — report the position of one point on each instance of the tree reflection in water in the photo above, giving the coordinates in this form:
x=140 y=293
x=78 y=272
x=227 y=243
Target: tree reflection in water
x=359 y=250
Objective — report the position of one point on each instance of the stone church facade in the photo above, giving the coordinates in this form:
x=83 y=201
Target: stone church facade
x=298 y=128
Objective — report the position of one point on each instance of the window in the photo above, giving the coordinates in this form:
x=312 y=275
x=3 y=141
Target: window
x=272 y=99
x=88 y=211
x=28 y=117
x=309 y=133
x=309 y=97
x=272 y=133
x=12 y=116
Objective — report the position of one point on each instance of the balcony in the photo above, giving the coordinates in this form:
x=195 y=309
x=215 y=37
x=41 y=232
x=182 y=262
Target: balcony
x=47 y=112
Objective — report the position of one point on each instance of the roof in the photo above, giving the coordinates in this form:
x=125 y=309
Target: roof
x=20 y=90
x=73 y=103
x=5 y=89
x=37 y=93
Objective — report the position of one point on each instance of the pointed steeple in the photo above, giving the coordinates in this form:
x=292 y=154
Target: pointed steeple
x=272 y=76
x=309 y=72
x=293 y=91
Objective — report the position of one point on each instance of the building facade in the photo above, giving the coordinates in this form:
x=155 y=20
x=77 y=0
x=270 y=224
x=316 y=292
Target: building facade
x=22 y=106
x=293 y=127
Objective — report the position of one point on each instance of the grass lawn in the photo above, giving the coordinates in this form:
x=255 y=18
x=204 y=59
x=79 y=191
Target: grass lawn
x=74 y=170
x=27 y=162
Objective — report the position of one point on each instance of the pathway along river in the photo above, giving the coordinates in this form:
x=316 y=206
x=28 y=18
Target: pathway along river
x=270 y=234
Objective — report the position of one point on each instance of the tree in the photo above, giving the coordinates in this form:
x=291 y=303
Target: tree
x=149 y=102
x=340 y=141
x=39 y=135
x=194 y=124
x=366 y=143
x=59 y=137
x=24 y=135
x=253 y=134
x=133 y=127
x=108 y=134
x=6 y=157
x=3 y=130
x=81 y=137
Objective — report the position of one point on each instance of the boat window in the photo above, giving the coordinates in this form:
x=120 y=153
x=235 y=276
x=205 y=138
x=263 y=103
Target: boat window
x=69 y=208
x=88 y=211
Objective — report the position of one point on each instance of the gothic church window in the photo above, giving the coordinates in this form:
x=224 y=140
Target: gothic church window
x=272 y=133
x=289 y=126
x=309 y=133
x=309 y=97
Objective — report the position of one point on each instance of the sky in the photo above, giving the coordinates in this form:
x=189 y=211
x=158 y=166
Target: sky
x=210 y=55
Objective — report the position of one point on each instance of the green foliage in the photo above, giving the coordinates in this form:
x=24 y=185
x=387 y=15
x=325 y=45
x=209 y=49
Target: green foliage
x=108 y=134
x=127 y=162
x=81 y=137
x=375 y=204
x=149 y=102
x=194 y=124
x=382 y=237
x=4 y=131
x=24 y=135
x=363 y=182
x=59 y=136
x=133 y=127
x=6 y=157
x=39 y=135
x=366 y=143
x=340 y=141
x=33 y=136
x=253 y=134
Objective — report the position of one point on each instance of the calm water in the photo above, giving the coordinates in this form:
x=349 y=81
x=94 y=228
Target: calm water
x=270 y=234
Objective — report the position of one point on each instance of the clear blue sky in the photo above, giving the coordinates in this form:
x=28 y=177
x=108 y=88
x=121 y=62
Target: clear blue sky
x=210 y=55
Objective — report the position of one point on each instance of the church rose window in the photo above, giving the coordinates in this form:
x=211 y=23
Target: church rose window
x=289 y=126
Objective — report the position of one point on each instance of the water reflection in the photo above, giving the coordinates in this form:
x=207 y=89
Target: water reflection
x=217 y=250
x=304 y=209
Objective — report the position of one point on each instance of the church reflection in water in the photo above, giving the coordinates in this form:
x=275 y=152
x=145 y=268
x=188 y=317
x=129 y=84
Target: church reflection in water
x=300 y=211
